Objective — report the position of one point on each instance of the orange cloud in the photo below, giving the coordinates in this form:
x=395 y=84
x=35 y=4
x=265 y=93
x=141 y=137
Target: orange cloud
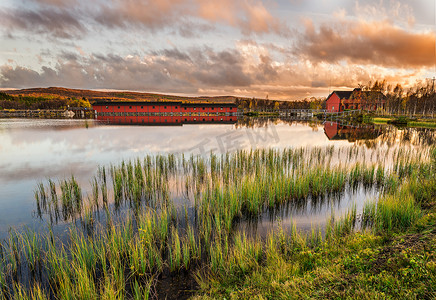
x=377 y=43
x=251 y=16
x=248 y=71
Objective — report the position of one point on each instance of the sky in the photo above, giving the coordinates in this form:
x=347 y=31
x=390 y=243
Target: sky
x=283 y=49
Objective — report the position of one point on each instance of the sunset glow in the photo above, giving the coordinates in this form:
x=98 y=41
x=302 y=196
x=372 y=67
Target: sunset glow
x=286 y=49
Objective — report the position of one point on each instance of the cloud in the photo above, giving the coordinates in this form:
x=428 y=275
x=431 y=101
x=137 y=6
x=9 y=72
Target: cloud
x=59 y=3
x=250 y=15
x=59 y=23
x=167 y=70
x=186 y=16
x=67 y=55
x=249 y=70
x=395 y=11
x=150 y=14
x=361 y=42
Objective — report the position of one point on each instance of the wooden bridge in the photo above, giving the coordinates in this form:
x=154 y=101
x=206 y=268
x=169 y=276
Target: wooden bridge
x=302 y=113
x=45 y=113
x=70 y=112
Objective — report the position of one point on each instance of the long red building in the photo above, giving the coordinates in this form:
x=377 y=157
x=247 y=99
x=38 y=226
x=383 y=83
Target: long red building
x=125 y=108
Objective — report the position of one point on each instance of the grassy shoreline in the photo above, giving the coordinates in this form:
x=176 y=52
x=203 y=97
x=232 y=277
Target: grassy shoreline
x=395 y=258
x=354 y=266
x=123 y=260
x=413 y=123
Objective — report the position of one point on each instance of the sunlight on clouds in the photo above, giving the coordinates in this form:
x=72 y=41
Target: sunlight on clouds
x=245 y=48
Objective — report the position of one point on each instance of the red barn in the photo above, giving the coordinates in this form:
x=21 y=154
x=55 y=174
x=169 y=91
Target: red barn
x=357 y=99
x=335 y=99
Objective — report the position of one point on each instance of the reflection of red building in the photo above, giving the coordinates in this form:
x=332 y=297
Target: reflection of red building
x=167 y=120
x=336 y=131
x=356 y=99
x=118 y=108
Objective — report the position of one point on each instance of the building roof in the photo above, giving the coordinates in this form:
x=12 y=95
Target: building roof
x=136 y=103
x=343 y=94
x=349 y=94
x=209 y=104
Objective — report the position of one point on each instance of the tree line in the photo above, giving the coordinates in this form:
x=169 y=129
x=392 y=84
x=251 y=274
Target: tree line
x=419 y=99
x=256 y=104
x=32 y=102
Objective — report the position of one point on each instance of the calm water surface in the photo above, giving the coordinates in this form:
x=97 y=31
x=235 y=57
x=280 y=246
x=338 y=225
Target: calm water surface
x=32 y=151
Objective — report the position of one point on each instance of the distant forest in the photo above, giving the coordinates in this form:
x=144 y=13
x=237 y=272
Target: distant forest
x=311 y=103
x=419 y=99
x=31 y=102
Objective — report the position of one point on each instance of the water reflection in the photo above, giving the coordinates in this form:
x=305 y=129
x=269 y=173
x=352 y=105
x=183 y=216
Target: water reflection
x=166 y=120
x=373 y=136
x=351 y=133
x=33 y=150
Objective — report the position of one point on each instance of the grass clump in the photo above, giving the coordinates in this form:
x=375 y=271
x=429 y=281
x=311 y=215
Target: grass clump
x=353 y=266
x=395 y=259
x=145 y=235
x=391 y=213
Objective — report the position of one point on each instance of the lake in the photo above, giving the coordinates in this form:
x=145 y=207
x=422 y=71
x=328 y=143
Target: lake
x=35 y=150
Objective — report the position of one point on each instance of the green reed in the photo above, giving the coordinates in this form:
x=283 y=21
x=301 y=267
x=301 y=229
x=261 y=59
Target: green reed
x=142 y=292
x=175 y=250
x=30 y=243
x=95 y=192
x=391 y=212
x=13 y=258
x=2 y=279
x=117 y=259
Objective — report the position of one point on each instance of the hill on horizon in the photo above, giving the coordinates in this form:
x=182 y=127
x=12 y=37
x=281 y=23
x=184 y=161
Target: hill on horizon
x=92 y=95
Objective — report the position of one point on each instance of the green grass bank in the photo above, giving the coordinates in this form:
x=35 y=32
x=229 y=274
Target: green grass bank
x=386 y=251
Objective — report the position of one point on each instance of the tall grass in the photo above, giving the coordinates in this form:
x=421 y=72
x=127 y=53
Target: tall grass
x=2 y=279
x=391 y=212
x=31 y=245
x=120 y=256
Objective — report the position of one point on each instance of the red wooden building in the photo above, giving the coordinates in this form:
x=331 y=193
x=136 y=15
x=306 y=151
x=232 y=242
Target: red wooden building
x=357 y=99
x=124 y=108
x=335 y=100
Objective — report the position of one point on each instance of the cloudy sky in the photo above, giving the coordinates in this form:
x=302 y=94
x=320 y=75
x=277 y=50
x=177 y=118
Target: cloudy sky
x=286 y=49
